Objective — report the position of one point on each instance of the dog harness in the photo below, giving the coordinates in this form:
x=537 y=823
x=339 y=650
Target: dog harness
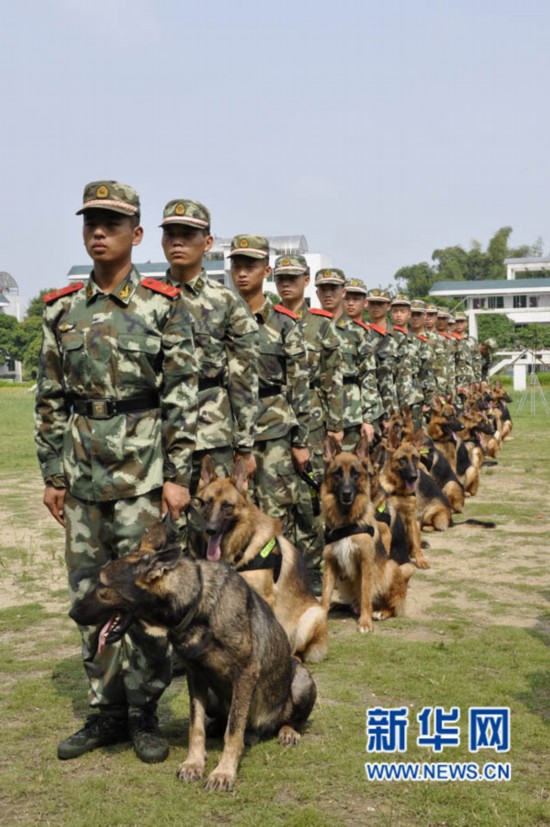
x=270 y=557
x=175 y=631
x=347 y=531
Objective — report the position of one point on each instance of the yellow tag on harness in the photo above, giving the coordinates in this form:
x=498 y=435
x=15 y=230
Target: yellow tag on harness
x=268 y=548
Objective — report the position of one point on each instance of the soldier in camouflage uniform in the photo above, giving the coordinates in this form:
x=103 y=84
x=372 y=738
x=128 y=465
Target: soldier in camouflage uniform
x=226 y=343
x=116 y=412
x=423 y=377
x=362 y=403
x=486 y=350
x=438 y=350
x=291 y=274
x=442 y=323
x=400 y=313
x=466 y=347
x=280 y=445
x=385 y=350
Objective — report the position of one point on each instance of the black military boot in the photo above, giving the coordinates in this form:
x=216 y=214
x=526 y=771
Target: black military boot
x=100 y=730
x=149 y=744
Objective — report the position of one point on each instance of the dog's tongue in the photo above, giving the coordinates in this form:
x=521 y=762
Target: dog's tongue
x=410 y=485
x=214 y=548
x=105 y=631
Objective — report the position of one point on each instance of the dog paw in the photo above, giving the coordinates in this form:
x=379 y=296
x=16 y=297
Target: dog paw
x=378 y=616
x=364 y=626
x=220 y=782
x=190 y=771
x=288 y=737
x=422 y=563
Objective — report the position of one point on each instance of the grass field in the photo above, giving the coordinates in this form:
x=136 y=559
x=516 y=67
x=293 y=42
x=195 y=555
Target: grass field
x=476 y=633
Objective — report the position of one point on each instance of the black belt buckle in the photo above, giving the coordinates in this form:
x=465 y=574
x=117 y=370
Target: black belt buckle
x=101 y=408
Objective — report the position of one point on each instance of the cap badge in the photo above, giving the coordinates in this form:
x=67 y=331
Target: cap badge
x=243 y=242
x=180 y=209
x=102 y=192
x=285 y=262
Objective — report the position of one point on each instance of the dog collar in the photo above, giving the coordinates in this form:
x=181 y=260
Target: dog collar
x=270 y=557
x=177 y=630
x=347 y=531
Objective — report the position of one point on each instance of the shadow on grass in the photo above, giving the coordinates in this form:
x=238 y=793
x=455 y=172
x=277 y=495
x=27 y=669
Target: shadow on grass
x=537 y=700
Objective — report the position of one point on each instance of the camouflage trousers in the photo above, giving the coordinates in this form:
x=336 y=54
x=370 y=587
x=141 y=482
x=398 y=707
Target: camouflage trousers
x=309 y=537
x=136 y=670
x=351 y=438
x=275 y=485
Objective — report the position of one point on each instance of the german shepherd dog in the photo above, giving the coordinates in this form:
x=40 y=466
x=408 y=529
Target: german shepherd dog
x=443 y=428
x=355 y=558
x=438 y=467
x=470 y=453
x=399 y=479
x=241 y=535
x=237 y=656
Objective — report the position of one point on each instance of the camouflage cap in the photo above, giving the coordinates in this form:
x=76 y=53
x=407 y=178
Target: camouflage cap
x=401 y=299
x=253 y=246
x=112 y=196
x=432 y=309
x=443 y=312
x=330 y=275
x=452 y=319
x=184 y=211
x=294 y=265
x=461 y=317
x=418 y=306
x=355 y=286
x=378 y=294
x=491 y=343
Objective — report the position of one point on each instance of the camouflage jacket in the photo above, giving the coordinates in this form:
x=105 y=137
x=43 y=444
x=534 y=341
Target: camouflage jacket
x=476 y=359
x=404 y=373
x=423 y=377
x=226 y=347
x=449 y=343
x=362 y=401
x=282 y=369
x=324 y=362
x=464 y=368
x=385 y=354
x=439 y=361
x=130 y=342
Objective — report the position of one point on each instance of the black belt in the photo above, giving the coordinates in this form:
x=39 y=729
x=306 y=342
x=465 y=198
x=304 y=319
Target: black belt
x=106 y=408
x=350 y=380
x=270 y=390
x=206 y=384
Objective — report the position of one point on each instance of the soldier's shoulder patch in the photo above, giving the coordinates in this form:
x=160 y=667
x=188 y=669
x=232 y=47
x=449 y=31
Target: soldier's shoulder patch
x=318 y=312
x=400 y=329
x=280 y=309
x=362 y=324
x=445 y=335
x=456 y=336
x=422 y=337
x=65 y=291
x=378 y=329
x=161 y=287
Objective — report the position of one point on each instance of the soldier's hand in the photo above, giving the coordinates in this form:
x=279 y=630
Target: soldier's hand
x=250 y=462
x=367 y=430
x=337 y=435
x=300 y=458
x=54 y=500
x=175 y=499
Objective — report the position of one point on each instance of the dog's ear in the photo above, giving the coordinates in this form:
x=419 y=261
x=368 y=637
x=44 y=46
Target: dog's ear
x=330 y=449
x=393 y=442
x=153 y=539
x=156 y=565
x=208 y=472
x=239 y=477
x=418 y=439
x=362 y=451
x=436 y=405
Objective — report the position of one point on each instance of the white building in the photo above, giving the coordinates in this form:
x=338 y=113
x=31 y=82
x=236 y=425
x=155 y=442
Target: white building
x=218 y=264
x=10 y=305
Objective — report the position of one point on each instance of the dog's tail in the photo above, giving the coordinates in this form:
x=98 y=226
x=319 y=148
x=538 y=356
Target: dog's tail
x=474 y=522
x=489 y=463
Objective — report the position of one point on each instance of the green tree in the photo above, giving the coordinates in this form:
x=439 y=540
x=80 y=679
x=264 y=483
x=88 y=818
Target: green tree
x=8 y=338
x=416 y=280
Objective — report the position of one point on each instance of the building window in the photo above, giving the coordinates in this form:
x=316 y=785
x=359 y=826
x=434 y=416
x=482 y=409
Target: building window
x=494 y=302
x=533 y=301
x=478 y=304
x=520 y=301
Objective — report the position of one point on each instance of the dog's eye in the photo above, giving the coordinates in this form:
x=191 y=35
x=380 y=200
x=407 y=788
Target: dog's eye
x=354 y=473
x=103 y=592
x=227 y=507
x=337 y=473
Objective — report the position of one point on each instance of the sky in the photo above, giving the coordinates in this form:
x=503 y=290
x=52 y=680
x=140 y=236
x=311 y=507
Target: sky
x=380 y=131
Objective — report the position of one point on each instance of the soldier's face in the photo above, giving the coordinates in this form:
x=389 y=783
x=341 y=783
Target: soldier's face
x=442 y=323
x=400 y=314
x=185 y=246
x=377 y=311
x=354 y=304
x=330 y=296
x=417 y=321
x=291 y=287
x=109 y=236
x=431 y=319
x=248 y=274
x=460 y=326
